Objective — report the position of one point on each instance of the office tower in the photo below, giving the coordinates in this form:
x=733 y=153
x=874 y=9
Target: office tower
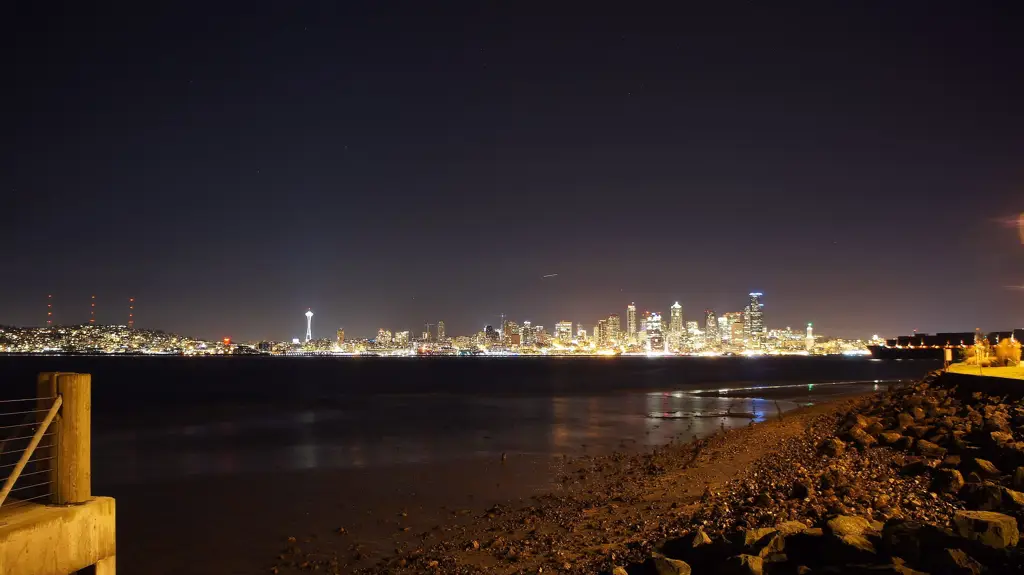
x=511 y=329
x=753 y=321
x=631 y=322
x=341 y=335
x=563 y=331
x=401 y=338
x=581 y=334
x=601 y=333
x=309 y=324
x=490 y=334
x=440 y=329
x=737 y=333
x=809 y=341
x=675 y=319
x=724 y=328
x=383 y=337
x=711 y=328
x=655 y=337
x=613 y=329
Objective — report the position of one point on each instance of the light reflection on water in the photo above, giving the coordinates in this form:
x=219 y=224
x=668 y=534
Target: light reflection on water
x=404 y=429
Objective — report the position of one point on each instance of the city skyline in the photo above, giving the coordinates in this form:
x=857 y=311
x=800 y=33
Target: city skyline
x=387 y=166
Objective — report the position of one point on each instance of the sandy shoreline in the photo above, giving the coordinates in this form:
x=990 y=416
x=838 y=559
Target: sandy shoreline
x=605 y=503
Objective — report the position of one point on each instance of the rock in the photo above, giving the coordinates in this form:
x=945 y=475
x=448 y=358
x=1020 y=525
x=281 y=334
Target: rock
x=700 y=539
x=956 y=561
x=950 y=461
x=832 y=447
x=947 y=481
x=664 y=566
x=1018 y=478
x=875 y=428
x=849 y=525
x=973 y=477
x=918 y=413
x=790 y=527
x=1012 y=500
x=982 y=496
x=905 y=420
x=914 y=541
x=1001 y=438
x=918 y=431
x=991 y=529
x=904 y=443
x=770 y=544
x=929 y=449
x=752 y=536
x=854 y=549
x=917 y=467
x=620 y=571
x=743 y=565
x=889 y=437
x=983 y=467
x=801 y=489
x=862 y=438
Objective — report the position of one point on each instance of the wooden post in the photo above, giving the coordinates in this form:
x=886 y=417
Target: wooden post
x=71 y=463
x=46 y=458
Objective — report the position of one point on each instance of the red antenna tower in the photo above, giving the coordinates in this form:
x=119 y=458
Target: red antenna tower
x=92 y=311
x=131 y=312
x=49 y=310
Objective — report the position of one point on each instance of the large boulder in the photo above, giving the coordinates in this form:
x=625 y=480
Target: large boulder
x=914 y=541
x=929 y=449
x=662 y=565
x=743 y=565
x=904 y=420
x=956 y=561
x=791 y=527
x=842 y=525
x=991 y=529
x=1018 y=478
x=947 y=481
x=861 y=437
x=889 y=437
x=982 y=467
x=832 y=447
x=1001 y=438
x=982 y=496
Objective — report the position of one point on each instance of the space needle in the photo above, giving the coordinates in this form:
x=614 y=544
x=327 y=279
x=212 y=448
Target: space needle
x=309 y=324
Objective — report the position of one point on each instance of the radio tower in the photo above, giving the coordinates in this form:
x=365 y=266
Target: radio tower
x=131 y=312
x=49 y=310
x=92 y=311
x=309 y=324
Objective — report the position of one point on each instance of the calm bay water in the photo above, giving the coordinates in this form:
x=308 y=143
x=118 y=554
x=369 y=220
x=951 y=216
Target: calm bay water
x=158 y=418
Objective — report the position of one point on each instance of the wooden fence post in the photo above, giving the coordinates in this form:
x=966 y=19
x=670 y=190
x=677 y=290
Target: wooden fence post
x=71 y=455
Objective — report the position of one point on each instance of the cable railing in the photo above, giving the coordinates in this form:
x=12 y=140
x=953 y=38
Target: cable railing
x=28 y=441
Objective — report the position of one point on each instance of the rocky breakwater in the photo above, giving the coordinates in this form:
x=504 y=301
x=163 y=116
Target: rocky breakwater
x=918 y=480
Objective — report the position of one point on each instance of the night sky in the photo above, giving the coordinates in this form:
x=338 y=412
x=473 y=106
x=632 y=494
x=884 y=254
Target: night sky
x=388 y=164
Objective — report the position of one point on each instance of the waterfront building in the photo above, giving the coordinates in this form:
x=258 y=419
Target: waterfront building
x=809 y=339
x=675 y=321
x=341 y=336
x=440 y=330
x=563 y=331
x=711 y=337
x=383 y=338
x=753 y=324
x=631 y=322
x=401 y=338
x=724 y=329
x=613 y=330
x=490 y=334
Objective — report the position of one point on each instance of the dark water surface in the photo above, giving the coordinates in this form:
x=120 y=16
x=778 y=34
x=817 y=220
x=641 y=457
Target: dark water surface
x=161 y=418
x=214 y=461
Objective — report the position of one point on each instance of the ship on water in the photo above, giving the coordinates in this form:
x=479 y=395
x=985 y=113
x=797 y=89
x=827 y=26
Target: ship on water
x=933 y=346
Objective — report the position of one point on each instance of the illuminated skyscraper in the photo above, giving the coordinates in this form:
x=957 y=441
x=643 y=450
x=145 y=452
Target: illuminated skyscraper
x=440 y=330
x=309 y=324
x=809 y=341
x=613 y=329
x=401 y=338
x=563 y=331
x=631 y=322
x=711 y=329
x=383 y=337
x=526 y=334
x=675 y=319
x=724 y=328
x=341 y=335
x=753 y=321
x=601 y=333
x=655 y=338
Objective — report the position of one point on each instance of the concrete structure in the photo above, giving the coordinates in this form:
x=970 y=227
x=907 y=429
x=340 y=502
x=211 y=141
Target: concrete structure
x=74 y=531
